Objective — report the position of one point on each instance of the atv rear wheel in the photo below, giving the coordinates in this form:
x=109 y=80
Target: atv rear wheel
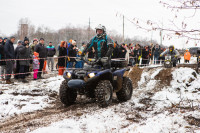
x=104 y=92
x=127 y=89
x=67 y=95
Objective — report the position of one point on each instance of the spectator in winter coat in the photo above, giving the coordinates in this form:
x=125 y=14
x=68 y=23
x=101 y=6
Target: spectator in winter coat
x=17 y=61
x=137 y=53
x=151 y=52
x=51 y=51
x=36 y=65
x=24 y=53
x=41 y=49
x=131 y=54
x=2 y=57
x=116 y=50
x=72 y=52
x=162 y=59
x=9 y=54
x=35 y=42
x=187 y=56
x=83 y=46
x=5 y=40
x=145 y=56
x=122 y=50
x=156 y=54
x=79 y=64
x=62 y=60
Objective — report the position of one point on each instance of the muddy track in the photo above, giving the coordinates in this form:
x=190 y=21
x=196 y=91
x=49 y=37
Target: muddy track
x=41 y=118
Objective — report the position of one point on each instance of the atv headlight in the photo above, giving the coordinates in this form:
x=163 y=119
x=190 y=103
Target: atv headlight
x=91 y=75
x=69 y=75
x=167 y=62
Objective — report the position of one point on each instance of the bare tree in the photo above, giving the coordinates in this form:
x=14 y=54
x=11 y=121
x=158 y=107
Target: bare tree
x=180 y=25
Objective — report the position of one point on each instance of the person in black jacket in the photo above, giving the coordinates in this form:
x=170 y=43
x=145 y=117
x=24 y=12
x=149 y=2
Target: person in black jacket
x=24 y=52
x=62 y=58
x=17 y=61
x=137 y=53
x=72 y=52
x=122 y=51
x=2 y=63
x=9 y=54
x=41 y=49
x=145 y=56
x=116 y=50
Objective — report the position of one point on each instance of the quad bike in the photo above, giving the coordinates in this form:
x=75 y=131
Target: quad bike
x=170 y=61
x=97 y=81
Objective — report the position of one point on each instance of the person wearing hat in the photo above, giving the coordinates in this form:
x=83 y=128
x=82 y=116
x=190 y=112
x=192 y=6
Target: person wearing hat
x=72 y=52
x=79 y=64
x=2 y=63
x=187 y=56
x=24 y=53
x=4 y=40
x=42 y=50
x=83 y=46
x=9 y=54
x=32 y=46
x=16 y=71
x=51 y=51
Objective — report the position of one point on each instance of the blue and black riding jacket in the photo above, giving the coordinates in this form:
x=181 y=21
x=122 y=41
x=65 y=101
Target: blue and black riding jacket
x=103 y=46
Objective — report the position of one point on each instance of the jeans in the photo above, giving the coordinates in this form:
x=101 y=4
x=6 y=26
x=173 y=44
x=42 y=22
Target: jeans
x=50 y=59
x=2 y=71
x=9 y=69
x=70 y=64
x=156 y=61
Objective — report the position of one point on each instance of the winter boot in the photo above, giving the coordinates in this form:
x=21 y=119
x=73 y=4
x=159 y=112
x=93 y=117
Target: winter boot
x=8 y=81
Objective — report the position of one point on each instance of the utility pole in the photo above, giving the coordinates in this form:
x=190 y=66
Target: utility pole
x=161 y=32
x=123 y=30
x=151 y=35
x=89 y=30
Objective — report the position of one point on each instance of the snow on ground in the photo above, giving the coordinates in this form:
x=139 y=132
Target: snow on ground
x=152 y=109
x=21 y=98
x=193 y=60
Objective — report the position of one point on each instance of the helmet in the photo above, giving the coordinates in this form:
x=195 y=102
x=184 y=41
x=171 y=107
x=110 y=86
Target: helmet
x=171 y=46
x=186 y=50
x=101 y=27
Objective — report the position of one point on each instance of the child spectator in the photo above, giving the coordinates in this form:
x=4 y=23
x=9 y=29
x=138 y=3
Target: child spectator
x=79 y=64
x=36 y=65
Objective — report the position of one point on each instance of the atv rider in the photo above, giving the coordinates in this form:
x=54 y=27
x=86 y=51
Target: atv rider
x=103 y=45
x=174 y=54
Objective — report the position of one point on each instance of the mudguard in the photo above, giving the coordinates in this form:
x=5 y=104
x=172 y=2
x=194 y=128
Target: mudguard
x=76 y=83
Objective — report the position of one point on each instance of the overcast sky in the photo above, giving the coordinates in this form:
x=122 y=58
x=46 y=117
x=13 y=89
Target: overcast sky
x=58 y=13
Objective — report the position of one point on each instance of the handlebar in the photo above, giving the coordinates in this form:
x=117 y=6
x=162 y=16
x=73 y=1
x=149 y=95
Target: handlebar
x=91 y=61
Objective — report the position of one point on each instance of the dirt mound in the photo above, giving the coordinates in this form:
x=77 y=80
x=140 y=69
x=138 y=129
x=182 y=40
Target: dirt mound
x=165 y=76
x=135 y=75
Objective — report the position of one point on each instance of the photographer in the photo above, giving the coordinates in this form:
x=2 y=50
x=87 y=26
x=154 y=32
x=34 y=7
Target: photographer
x=72 y=52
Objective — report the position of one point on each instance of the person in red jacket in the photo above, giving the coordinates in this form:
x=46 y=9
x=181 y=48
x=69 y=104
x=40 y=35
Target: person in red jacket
x=187 y=56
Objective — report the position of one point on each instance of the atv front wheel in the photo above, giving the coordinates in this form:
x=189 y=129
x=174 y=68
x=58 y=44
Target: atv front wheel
x=103 y=93
x=127 y=89
x=67 y=95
